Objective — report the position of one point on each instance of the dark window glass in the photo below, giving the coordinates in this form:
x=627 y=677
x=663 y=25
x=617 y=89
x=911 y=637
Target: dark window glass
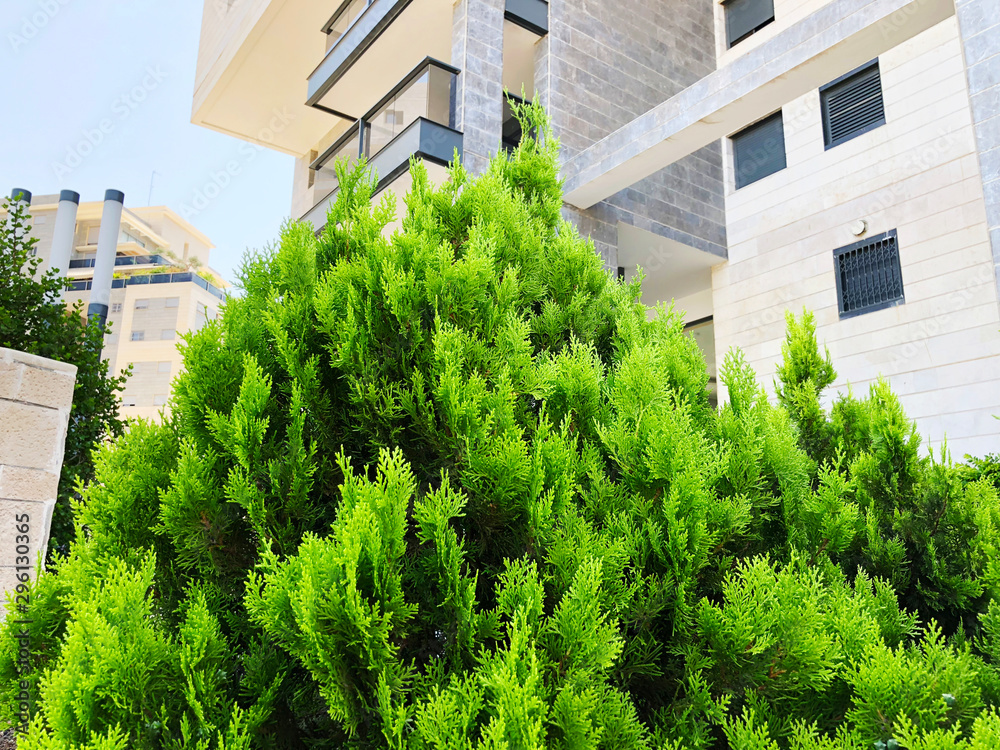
x=868 y=275
x=852 y=105
x=745 y=17
x=511 y=129
x=759 y=150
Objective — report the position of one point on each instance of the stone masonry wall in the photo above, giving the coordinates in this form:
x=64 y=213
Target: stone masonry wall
x=35 y=399
x=477 y=50
x=979 y=26
x=604 y=64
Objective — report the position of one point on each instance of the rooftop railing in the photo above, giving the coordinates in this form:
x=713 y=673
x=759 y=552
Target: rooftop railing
x=154 y=278
x=124 y=260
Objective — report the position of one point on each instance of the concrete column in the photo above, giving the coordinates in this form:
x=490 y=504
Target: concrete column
x=64 y=231
x=979 y=25
x=477 y=49
x=36 y=395
x=104 y=265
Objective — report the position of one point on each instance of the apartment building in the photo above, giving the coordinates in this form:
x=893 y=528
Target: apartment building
x=751 y=156
x=162 y=288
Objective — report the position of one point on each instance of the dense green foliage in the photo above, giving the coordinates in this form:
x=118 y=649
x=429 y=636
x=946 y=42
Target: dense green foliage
x=33 y=319
x=452 y=489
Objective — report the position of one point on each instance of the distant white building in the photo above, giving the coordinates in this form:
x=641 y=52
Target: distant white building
x=162 y=289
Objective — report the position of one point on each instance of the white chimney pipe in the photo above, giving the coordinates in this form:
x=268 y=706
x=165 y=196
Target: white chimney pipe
x=19 y=195
x=64 y=231
x=104 y=264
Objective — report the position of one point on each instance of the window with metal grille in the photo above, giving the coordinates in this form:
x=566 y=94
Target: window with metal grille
x=869 y=277
x=746 y=17
x=759 y=150
x=852 y=105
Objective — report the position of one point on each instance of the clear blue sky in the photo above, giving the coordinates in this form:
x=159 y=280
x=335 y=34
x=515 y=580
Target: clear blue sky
x=70 y=67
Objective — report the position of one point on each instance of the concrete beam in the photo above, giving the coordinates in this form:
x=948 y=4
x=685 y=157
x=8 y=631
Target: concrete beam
x=836 y=39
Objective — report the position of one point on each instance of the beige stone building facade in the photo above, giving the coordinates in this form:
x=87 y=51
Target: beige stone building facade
x=162 y=288
x=751 y=156
x=860 y=144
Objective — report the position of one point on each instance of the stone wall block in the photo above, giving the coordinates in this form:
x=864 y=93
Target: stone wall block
x=36 y=396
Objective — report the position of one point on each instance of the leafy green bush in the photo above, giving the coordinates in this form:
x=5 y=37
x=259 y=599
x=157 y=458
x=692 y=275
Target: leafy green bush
x=452 y=489
x=33 y=319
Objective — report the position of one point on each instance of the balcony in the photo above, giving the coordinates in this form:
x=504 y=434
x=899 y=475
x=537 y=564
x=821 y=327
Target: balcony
x=393 y=36
x=253 y=58
x=154 y=278
x=123 y=260
x=416 y=118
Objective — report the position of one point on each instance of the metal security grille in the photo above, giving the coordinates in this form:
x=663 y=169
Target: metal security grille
x=852 y=105
x=759 y=150
x=868 y=275
x=744 y=17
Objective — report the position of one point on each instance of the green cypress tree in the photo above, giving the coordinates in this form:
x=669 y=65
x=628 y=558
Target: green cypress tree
x=452 y=488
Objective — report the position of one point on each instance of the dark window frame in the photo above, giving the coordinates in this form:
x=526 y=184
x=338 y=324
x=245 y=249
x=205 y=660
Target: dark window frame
x=839 y=273
x=739 y=178
x=730 y=41
x=840 y=83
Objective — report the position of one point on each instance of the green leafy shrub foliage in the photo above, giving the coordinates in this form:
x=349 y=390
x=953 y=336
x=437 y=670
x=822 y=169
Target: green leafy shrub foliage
x=453 y=488
x=33 y=319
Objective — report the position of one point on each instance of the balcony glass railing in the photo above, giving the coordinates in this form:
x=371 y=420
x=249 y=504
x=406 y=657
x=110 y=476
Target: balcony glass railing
x=343 y=19
x=348 y=147
x=123 y=260
x=428 y=92
x=154 y=278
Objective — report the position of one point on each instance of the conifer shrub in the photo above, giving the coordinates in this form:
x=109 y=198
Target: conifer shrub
x=451 y=488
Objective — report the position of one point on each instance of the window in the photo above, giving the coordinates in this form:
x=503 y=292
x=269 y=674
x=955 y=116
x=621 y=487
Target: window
x=511 y=132
x=746 y=17
x=93 y=233
x=126 y=236
x=759 y=150
x=852 y=105
x=142 y=304
x=138 y=335
x=128 y=402
x=167 y=334
x=172 y=302
x=159 y=400
x=868 y=275
x=163 y=367
x=116 y=307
